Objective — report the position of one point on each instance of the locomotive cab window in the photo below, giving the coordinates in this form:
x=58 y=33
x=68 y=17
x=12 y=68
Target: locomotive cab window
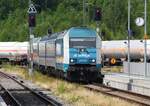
x=82 y=42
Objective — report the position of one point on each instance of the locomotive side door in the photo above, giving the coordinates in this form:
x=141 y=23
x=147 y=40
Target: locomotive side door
x=59 y=54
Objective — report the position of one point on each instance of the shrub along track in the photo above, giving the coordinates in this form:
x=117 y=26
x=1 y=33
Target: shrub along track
x=15 y=93
x=126 y=95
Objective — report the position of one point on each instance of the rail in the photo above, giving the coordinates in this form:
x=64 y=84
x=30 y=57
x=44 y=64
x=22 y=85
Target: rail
x=8 y=97
x=123 y=94
x=46 y=99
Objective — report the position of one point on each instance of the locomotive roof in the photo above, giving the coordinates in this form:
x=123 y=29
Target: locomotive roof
x=73 y=32
x=82 y=32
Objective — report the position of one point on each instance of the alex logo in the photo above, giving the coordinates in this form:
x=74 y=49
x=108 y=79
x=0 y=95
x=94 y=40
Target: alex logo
x=83 y=55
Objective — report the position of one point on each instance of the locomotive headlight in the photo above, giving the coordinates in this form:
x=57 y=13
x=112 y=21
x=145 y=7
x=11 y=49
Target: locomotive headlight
x=93 y=60
x=71 y=60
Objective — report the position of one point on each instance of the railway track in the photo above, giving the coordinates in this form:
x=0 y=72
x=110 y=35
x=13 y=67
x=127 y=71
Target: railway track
x=15 y=93
x=126 y=95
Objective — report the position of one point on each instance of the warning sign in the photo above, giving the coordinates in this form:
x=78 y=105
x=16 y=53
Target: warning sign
x=32 y=9
x=113 y=61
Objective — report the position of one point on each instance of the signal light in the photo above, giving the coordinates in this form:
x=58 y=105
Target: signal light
x=97 y=16
x=32 y=20
x=49 y=31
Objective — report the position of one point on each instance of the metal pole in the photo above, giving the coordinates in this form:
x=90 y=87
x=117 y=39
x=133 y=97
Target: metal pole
x=97 y=27
x=84 y=13
x=30 y=49
x=30 y=52
x=129 y=34
x=30 y=2
x=145 y=37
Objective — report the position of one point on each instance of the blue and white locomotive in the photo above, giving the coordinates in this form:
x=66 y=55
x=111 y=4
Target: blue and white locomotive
x=73 y=54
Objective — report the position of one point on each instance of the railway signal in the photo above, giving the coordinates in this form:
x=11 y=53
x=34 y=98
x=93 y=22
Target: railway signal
x=32 y=15
x=32 y=20
x=32 y=23
x=97 y=15
x=97 y=18
x=49 y=32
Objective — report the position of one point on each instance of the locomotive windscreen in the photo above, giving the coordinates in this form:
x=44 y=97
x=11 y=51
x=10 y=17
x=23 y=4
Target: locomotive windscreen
x=82 y=42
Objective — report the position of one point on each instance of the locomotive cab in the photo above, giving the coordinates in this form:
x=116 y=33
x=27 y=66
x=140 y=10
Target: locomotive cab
x=84 y=55
x=82 y=51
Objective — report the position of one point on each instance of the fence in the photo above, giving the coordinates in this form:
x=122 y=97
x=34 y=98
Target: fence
x=136 y=69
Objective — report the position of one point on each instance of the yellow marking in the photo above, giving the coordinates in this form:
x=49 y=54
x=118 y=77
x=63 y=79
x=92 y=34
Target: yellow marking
x=60 y=59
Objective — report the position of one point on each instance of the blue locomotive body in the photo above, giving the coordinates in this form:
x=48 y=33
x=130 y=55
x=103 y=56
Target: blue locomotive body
x=73 y=54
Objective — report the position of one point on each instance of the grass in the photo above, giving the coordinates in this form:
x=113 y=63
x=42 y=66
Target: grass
x=72 y=93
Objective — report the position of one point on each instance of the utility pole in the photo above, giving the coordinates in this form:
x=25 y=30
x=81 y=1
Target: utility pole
x=145 y=37
x=31 y=20
x=129 y=34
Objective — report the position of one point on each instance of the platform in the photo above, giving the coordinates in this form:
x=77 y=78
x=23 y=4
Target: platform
x=137 y=84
